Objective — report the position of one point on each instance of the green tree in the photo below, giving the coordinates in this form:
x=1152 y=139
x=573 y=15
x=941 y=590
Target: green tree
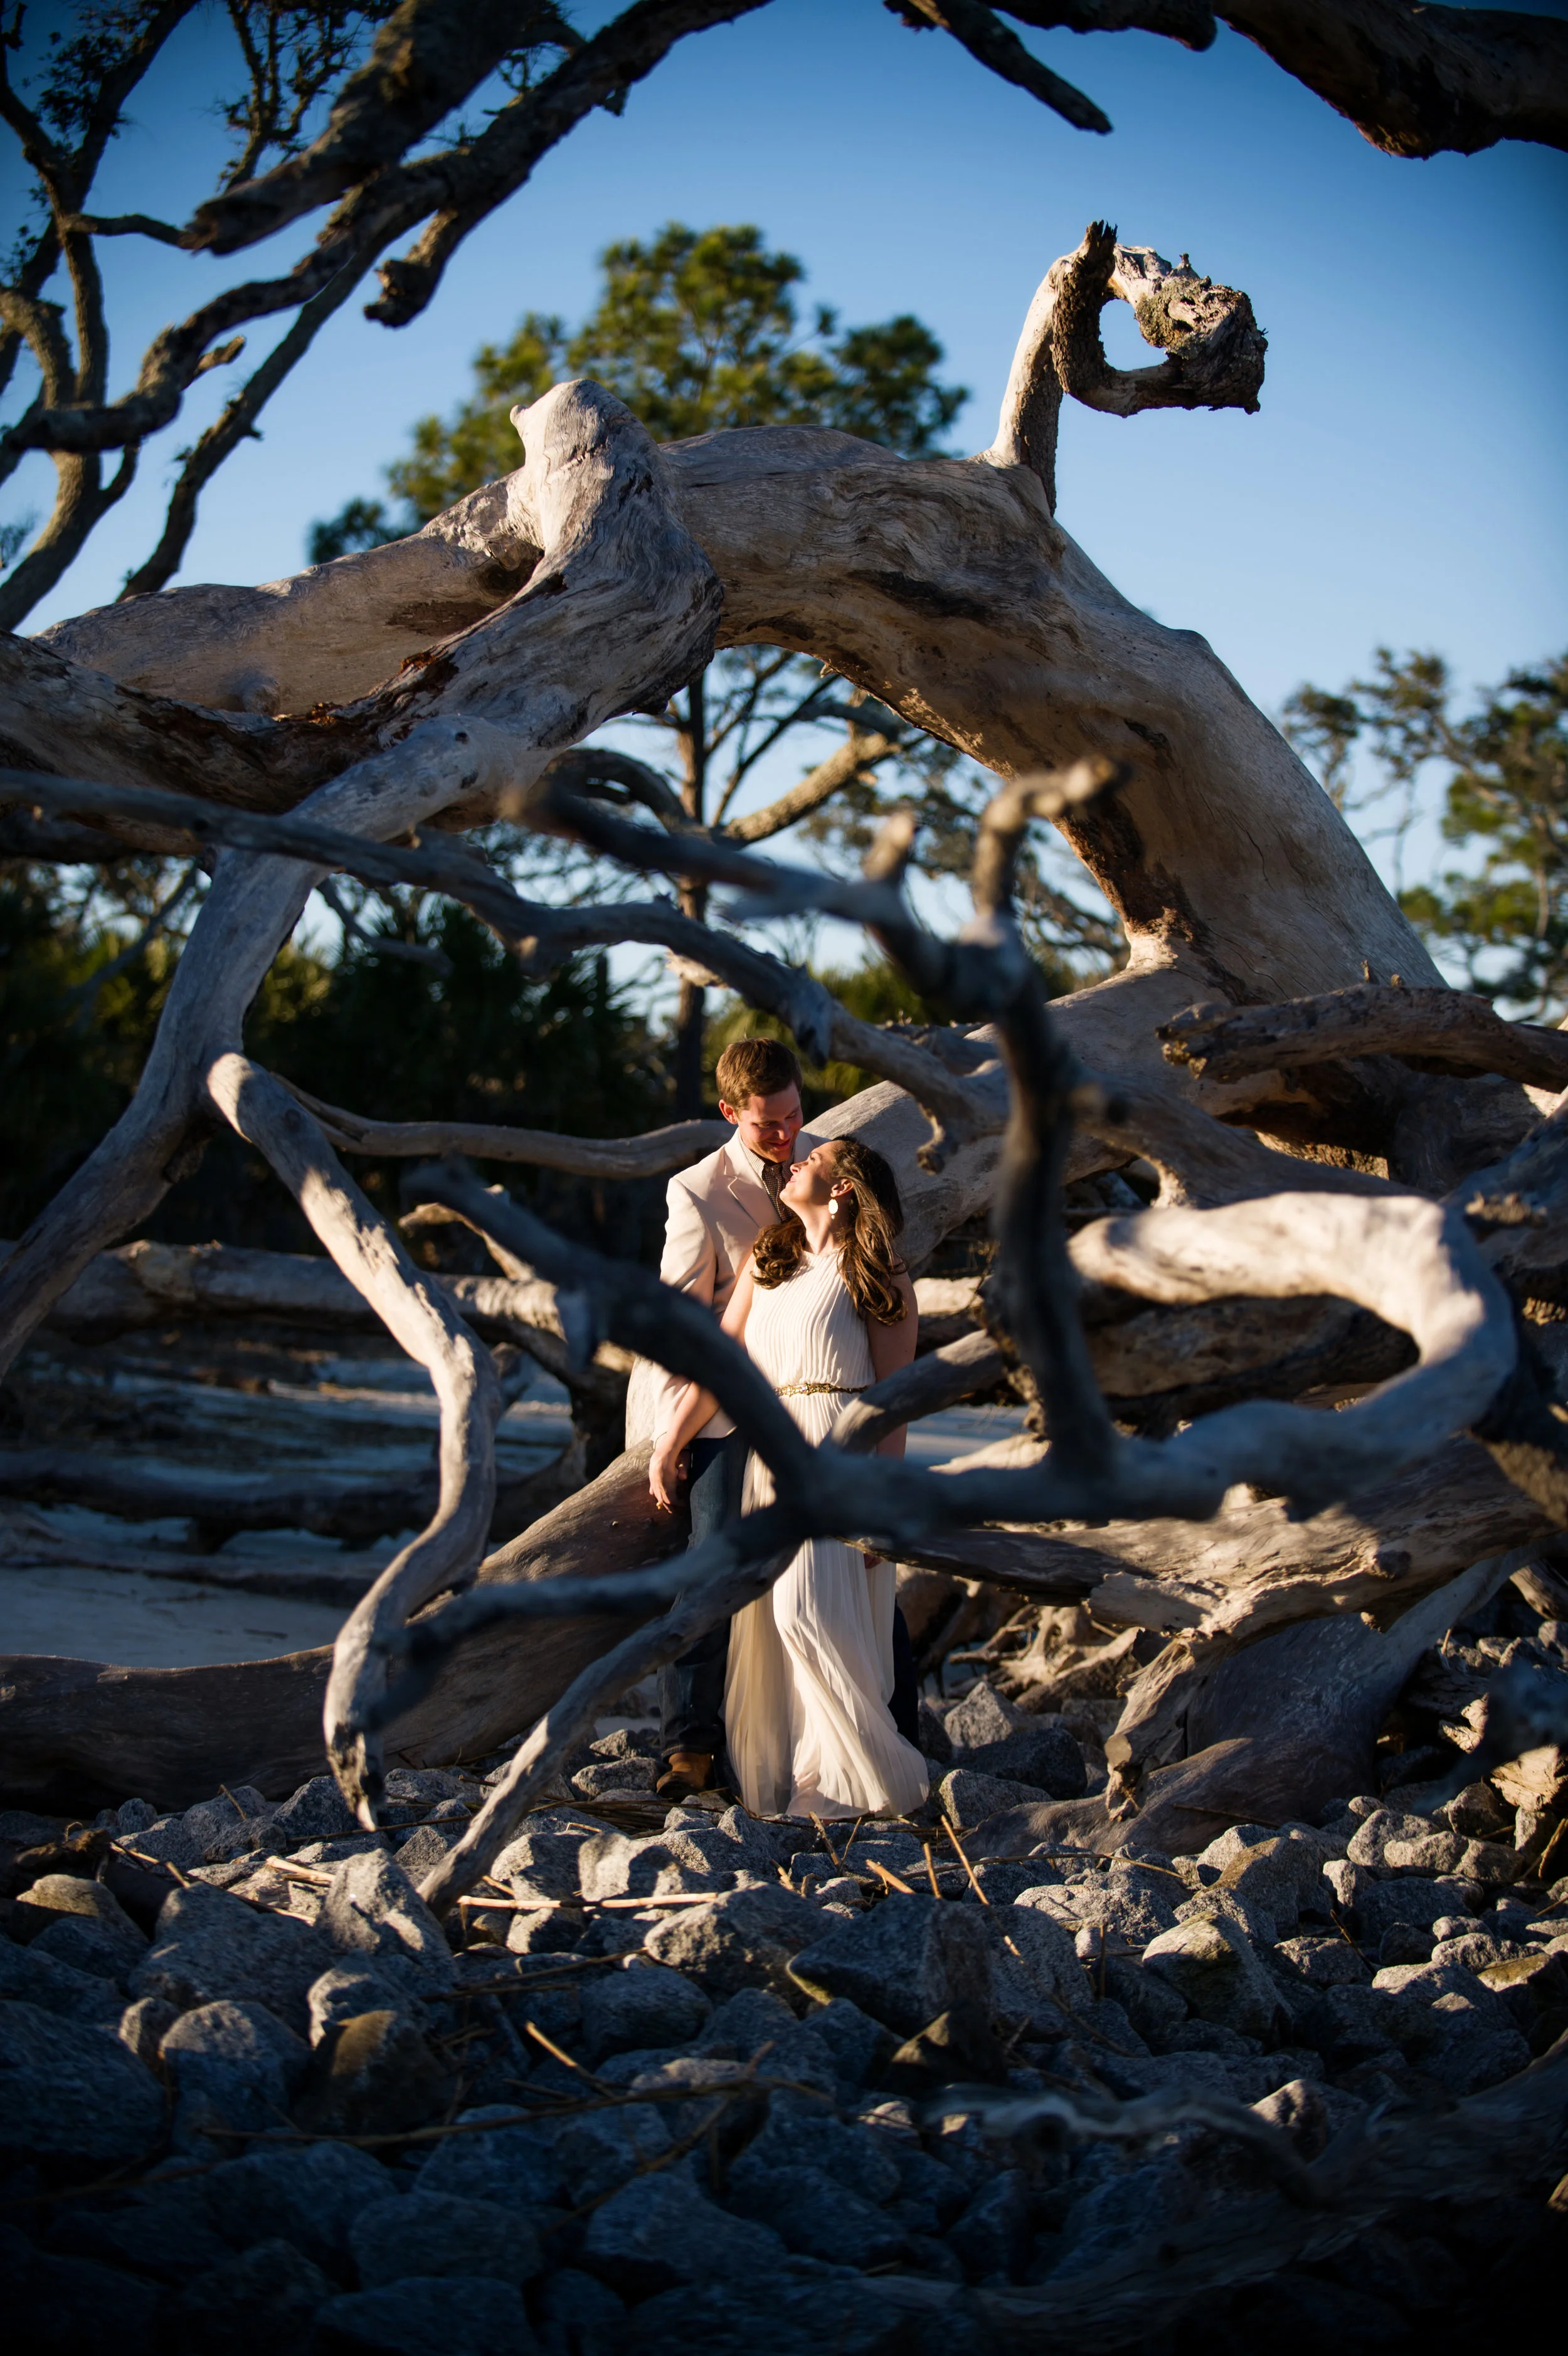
x=1505 y=796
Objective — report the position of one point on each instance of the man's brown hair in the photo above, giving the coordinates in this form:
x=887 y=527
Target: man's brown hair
x=754 y=1067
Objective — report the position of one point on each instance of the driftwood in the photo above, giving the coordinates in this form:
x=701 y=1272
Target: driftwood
x=591 y=581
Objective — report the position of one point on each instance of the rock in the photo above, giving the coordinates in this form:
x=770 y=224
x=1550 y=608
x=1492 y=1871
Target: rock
x=1477 y=1812
x=815 y=2215
x=1040 y=1754
x=317 y=1811
x=1131 y=1906
x=932 y=1739
x=223 y=1827
x=425 y=1847
x=601 y=1775
x=210 y=1948
x=376 y=2073
x=746 y=1938
x=306 y=2194
x=981 y=1718
x=1490 y=1864
x=660 y=2232
x=802 y=2134
x=232 y=2066
x=74 y=2307
x=85 y=1945
x=599 y=2151
x=70 y=2091
x=1153 y=2006
x=1036 y=1973
x=905 y=1963
x=956 y=2048
x=133 y=1817
x=427 y=1787
x=144 y=2026
x=644 y=2005
x=968 y=1797
x=1413 y=1898
x=28 y=1977
x=168 y=1840
x=514 y=2167
x=430 y=2234
x=55 y=1894
x=1283 y=1875
x=752 y=1837
x=577 y=2316
x=1324 y=1963
x=1212 y=1966
x=544 y=1931
x=1156 y=2198
x=1256 y=1925
x=372 y=1909
x=541 y=1862
x=253 y=2306
x=859 y=2047
x=753 y=2018
x=451 y=2315
x=1299 y=2109
x=992 y=2235
x=384 y=1984
x=1405 y=1942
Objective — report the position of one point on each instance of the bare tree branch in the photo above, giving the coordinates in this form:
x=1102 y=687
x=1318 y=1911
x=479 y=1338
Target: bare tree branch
x=1449 y=1027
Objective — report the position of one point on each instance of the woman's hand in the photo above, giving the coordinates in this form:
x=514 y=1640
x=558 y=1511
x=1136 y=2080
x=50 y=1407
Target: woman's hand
x=665 y=1469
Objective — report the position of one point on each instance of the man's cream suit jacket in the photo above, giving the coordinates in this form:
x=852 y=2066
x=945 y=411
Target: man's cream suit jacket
x=716 y=1210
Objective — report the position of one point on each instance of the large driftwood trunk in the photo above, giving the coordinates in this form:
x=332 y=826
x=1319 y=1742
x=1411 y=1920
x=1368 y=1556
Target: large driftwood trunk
x=76 y=1735
x=592 y=580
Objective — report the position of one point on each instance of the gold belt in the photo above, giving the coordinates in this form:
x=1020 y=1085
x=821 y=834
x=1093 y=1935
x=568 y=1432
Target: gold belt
x=841 y=1390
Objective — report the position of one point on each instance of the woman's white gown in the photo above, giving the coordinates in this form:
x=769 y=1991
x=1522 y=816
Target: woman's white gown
x=811 y=1663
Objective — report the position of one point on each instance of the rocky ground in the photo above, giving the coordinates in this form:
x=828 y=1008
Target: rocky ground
x=678 y=2078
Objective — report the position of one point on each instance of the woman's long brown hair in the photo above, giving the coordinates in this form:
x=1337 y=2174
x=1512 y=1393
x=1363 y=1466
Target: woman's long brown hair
x=868 y=1224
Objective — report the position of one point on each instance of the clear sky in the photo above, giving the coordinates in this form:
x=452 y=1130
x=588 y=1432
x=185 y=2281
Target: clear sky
x=1403 y=483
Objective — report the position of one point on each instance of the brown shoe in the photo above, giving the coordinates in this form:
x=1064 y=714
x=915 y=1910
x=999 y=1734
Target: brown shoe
x=687 y=1771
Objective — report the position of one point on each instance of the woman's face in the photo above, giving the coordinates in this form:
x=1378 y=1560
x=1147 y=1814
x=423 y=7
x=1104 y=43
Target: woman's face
x=811 y=1180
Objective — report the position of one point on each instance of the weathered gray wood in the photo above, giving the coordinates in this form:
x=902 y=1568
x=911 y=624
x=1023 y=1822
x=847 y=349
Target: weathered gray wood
x=77 y=1734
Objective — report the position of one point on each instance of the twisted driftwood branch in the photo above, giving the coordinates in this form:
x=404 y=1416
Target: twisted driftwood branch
x=1453 y=1028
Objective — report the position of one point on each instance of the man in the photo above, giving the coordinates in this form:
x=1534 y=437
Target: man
x=716 y=1210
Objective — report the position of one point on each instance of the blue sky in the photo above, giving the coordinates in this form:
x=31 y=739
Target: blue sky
x=1403 y=483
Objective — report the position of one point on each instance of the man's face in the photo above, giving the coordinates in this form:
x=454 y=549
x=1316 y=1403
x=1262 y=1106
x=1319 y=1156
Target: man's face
x=768 y=1125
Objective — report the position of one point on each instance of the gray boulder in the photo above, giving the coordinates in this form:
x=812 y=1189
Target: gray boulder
x=1042 y=1754
x=599 y=2151
x=802 y=2134
x=1035 y=1969
x=307 y=2194
x=317 y=1811
x=425 y=1847
x=373 y=1908
x=451 y=2315
x=1212 y=1966
x=905 y=1963
x=514 y=2167
x=814 y=2214
x=225 y=1827
x=233 y=2066
x=210 y=1948
x=384 y=1984
x=1322 y=1963
x=84 y=1945
x=577 y=2316
x=542 y=1861
x=28 y=1977
x=643 y=2005
x=70 y=2091
x=74 y=2307
x=858 y=2047
x=747 y=2021
x=142 y=2027
x=660 y=2232
x=376 y=2073
x=981 y=1718
x=746 y=1938
x=251 y=2306
x=429 y=2233
x=991 y=2238
x=969 y=1797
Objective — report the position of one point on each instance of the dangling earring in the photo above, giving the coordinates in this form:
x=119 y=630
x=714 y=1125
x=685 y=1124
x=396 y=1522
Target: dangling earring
x=833 y=1206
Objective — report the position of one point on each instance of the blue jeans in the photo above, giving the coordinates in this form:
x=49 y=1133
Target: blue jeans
x=691 y=1690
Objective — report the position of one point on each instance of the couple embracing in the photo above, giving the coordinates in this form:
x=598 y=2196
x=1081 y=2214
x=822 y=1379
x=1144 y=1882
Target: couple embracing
x=795 y=1241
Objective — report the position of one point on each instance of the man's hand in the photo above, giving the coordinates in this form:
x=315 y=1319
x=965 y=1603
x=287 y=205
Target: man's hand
x=667 y=1470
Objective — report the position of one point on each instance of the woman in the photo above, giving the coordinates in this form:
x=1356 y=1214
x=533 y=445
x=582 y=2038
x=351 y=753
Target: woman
x=825 y=1308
